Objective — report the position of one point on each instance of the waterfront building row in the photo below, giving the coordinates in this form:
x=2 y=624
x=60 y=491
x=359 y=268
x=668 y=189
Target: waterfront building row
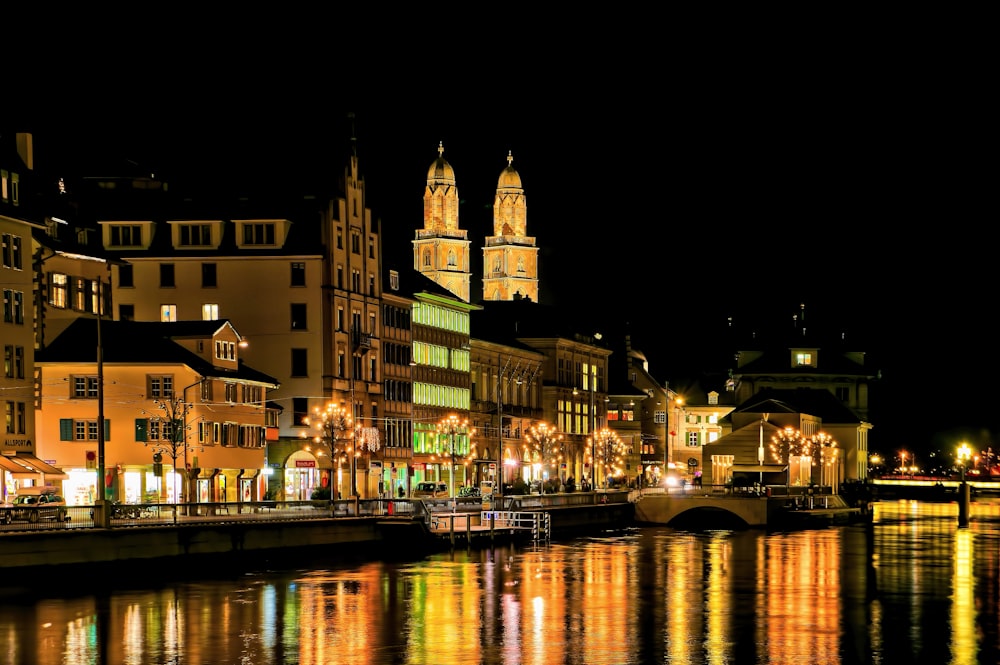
x=330 y=319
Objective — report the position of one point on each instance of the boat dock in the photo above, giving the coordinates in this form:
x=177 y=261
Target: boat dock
x=489 y=524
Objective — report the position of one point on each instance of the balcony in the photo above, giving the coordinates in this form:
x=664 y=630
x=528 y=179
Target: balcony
x=361 y=339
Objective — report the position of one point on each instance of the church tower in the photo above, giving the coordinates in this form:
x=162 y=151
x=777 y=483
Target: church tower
x=441 y=249
x=510 y=258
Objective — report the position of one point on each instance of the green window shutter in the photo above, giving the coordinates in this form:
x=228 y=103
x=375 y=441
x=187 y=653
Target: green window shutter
x=141 y=429
x=65 y=429
x=107 y=429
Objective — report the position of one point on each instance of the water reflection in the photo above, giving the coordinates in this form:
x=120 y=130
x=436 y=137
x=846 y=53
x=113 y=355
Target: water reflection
x=914 y=588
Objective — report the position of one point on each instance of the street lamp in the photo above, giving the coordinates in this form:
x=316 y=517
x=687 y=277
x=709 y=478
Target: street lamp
x=760 y=447
x=668 y=455
x=451 y=427
x=964 y=453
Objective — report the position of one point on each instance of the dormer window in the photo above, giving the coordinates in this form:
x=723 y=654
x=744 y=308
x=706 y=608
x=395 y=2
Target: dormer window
x=195 y=235
x=125 y=235
x=225 y=350
x=803 y=359
x=260 y=232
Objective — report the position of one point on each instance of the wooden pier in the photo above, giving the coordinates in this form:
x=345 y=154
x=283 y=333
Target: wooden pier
x=491 y=525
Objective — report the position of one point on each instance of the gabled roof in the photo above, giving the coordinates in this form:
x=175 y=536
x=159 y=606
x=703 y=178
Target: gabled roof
x=142 y=342
x=817 y=402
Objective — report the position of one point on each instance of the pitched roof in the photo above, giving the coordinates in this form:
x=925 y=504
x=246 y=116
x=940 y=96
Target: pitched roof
x=142 y=342
x=817 y=402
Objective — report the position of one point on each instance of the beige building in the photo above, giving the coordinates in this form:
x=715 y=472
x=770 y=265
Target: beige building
x=17 y=331
x=818 y=388
x=506 y=401
x=171 y=413
x=300 y=278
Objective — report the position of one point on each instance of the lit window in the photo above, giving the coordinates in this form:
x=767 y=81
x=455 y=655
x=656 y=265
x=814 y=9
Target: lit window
x=168 y=313
x=59 y=290
x=210 y=311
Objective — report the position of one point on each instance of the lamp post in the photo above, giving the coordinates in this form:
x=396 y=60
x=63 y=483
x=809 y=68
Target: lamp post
x=964 y=453
x=760 y=447
x=593 y=426
x=451 y=427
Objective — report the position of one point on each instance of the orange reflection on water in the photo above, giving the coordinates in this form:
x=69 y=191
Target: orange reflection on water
x=656 y=595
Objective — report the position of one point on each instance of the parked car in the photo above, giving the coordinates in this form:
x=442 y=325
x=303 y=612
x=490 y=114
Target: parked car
x=34 y=507
x=430 y=490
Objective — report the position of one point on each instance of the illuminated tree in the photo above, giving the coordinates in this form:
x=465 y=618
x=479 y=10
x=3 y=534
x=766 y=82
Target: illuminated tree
x=543 y=446
x=333 y=430
x=820 y=449
x=610 y=451
x=368 y=441
x=456 y=436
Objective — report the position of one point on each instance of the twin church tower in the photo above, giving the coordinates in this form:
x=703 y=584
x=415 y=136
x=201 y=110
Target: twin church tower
x=441 y=248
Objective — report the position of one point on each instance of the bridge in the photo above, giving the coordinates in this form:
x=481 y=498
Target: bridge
x=738 y=510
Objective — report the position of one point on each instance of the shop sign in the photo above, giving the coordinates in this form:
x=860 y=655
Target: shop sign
x=305 y=463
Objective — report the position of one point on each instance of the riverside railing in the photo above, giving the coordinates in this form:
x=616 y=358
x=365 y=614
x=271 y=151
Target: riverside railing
x=157 y=514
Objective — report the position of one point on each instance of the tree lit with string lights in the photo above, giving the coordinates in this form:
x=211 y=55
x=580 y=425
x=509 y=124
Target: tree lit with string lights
x=333 y=432
x=610 y=451
x=455 y=441
x=820 y=449
x=543 y=449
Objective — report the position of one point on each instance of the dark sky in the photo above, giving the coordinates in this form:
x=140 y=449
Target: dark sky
x=664 y=203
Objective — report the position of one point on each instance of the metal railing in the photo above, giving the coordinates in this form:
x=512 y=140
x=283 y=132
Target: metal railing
x=124 y=515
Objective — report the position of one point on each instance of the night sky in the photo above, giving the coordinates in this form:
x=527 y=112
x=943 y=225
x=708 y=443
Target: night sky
x=663 y=210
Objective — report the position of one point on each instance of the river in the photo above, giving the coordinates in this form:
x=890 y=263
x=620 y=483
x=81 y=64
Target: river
x=913 y=587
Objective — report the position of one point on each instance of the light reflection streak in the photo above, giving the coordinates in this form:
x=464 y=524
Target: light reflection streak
x=963 y=606
x=656 y=596
x=718 y=601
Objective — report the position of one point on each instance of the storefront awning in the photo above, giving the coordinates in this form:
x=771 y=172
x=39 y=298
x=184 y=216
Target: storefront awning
x=10 y=466
x=28 y=463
